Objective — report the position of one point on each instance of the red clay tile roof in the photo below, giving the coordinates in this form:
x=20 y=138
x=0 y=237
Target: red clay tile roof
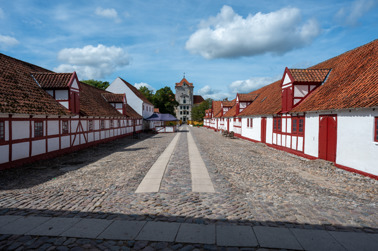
x=131 y=113
x=136 y=92
x=19 y=93
x=228 y=103
x=156 y=110
x=184 y=81
x=309 y=75
x=92 y=102
x=267 y=102
x=217 y=108
x=197 y=99
x=113 y=97
x=352 y=82
x=247 y=97
x=231 y=112
x=50 y=80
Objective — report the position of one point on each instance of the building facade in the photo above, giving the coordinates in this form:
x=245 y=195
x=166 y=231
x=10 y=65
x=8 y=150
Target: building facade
x=186 y=99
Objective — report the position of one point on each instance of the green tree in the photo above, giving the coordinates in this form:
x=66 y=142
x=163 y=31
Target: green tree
x=97 y=83
x=165 y=100
x=198 y=111
x=149 y=94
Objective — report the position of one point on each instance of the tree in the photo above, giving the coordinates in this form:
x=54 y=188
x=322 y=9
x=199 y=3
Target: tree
x=198 y=111
x=97 y=83
x=165 y=100
x=149 y=94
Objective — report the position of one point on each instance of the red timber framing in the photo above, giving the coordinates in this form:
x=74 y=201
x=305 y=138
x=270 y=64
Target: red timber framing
x=375 y=129
x=327 y=137
x=289 y=131
x=58 y=135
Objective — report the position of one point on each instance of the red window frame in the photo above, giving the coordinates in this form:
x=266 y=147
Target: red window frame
x=376 y=129
x=300 y=125
x=248 y=122
x=251 y=122
x=2 y=130
x=277 y=122
x=65 y=127
x=294 y=126
x=38 y=129
x=297 y=125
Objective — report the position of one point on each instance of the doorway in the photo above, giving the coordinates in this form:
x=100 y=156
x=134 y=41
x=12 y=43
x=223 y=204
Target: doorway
x=327 y=137
x=263 y=130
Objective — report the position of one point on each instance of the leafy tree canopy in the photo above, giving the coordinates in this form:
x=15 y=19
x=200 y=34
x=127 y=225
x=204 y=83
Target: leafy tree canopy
x=96 y=83
x=165 y=100
x=149 y=94
x=198 y=111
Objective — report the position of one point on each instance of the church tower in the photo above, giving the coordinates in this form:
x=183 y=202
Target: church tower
x=184 y=96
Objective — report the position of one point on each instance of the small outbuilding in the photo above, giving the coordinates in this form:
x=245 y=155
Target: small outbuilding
x=163 y=122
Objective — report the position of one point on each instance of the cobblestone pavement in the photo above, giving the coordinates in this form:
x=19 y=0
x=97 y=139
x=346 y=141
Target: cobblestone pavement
x=254 y=184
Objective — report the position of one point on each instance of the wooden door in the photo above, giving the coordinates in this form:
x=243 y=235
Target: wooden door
x=263 y=130
x=327 y=137
x=228 y=125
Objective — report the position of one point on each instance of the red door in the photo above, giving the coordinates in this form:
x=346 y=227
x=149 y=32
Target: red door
x=263 y=130
x=228 y=125
x=327 y=137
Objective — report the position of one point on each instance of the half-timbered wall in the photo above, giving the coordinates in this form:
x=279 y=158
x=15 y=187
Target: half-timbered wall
x=28 y=138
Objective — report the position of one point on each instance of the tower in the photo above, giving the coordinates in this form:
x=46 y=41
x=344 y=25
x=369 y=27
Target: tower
x=184 y=96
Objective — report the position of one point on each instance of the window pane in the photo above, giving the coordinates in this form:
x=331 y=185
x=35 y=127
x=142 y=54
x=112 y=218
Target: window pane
x=38 y=129
x=279 y=124
x=2 y=136
x=64 y=127
x=300 y=125
x=294 y=125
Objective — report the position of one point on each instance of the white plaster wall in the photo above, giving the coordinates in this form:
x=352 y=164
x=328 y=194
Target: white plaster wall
x=20 y=129
x=84 y=123
x=294 y=142
x=61 y=94
x=90 y=137
x=74 y=84
x=269 y=129
x=65 y=142
x=20 y=151
x=38 y=147
x=118 y=86
x=300 y=144
x=148 y=111
x=286 y=80
x=4 y=153
x=82 y=138
x=252 y=132
x=311 y=146
x=53 y=144
x=53 y=127
x=356 y=147
x=283 y=125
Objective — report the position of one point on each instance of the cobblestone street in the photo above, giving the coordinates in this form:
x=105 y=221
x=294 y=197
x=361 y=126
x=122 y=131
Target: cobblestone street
x=254 y=185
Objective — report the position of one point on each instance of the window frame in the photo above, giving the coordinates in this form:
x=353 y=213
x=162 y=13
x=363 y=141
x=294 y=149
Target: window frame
x=2 y=130
x=65 y=131
x=277 y=124
x=251 y=123
x=38 y=130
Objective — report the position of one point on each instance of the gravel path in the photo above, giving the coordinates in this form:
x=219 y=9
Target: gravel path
x=254 y=184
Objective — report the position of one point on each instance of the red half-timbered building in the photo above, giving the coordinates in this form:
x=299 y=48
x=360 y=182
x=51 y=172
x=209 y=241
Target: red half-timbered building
x=45 y=114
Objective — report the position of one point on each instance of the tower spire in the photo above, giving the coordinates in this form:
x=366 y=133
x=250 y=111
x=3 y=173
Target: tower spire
x=184 y=74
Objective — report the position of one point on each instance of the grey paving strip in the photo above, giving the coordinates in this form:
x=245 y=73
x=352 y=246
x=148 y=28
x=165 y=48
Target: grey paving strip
x=201 y=181
x=151 y=182
x=173 y=232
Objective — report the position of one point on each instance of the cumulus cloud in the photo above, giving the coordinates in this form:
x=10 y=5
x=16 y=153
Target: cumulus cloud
x=252 y=84
x=7 y=41
x=350 y=15
x=139 y=85
x=208 y=92
x=107 y=13
x=229 y=35
x=92 y=62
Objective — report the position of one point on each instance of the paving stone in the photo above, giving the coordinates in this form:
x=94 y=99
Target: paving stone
x=23 y=225
x=196 y=233
x=54 y=226
x=87 y=228
x=270 y=237
x=316 y=239
x=122 y=230
x=356 y=241
x=159 y=231
x=238 y=236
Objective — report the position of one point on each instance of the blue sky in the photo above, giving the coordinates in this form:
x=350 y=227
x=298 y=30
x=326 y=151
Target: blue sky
x=224 y=47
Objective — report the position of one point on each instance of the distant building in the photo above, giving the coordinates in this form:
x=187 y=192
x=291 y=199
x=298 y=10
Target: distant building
x=186 y=99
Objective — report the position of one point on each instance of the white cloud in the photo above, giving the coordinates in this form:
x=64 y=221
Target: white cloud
x=92 y=62
x=139 y=85
x=7 y=41
x=2 y=15
x=349 y=16
x=229 y=35
x=252 y=84
x=208 y=92
x=107 y=13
